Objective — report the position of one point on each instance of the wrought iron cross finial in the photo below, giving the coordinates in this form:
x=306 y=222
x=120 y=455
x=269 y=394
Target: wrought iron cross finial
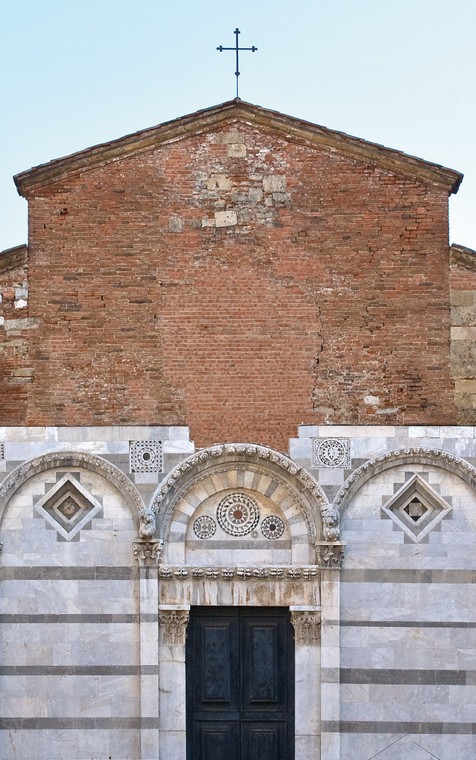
x=253 y=49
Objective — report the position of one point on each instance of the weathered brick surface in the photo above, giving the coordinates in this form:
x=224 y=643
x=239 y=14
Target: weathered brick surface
x=241 y=283
x=16 y=372
x=463 y=331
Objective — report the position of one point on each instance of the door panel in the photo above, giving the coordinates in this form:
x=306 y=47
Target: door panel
x=215 y=740
x=262 y=741
x=240 y=684
x=218 y=650
x=261 y=663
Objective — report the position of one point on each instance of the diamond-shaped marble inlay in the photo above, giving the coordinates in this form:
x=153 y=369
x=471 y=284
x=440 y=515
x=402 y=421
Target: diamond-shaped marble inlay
x=68 y=506
x=416 y=508
x=145 y=456
x=331 y=452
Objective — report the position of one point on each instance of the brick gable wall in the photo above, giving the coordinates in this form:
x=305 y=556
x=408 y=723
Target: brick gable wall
x=241 y=284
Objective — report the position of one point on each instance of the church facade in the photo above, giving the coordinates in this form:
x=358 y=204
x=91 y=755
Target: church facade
x=237 y=453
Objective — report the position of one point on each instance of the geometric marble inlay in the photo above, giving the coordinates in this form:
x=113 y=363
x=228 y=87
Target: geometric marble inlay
x=331 y=452
x=204 y=527
x=145 y=456
x=238 y=514
x=272 y=527
x=68 y=507
x=416 y=508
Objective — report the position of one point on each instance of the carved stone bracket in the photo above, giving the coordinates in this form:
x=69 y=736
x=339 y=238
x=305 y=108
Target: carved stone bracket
x=307 y=626
x=147 y=553
x=147 y=523
x=330 y=555
x=330 y=523
x=238 y=573
x=173 y=625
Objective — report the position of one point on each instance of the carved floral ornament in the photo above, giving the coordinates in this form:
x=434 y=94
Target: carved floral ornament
x=307 y=626
x=269 y=573
x=147 y=552
x=173 y=626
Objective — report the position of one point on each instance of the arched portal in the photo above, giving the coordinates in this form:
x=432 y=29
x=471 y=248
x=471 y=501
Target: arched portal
x=239 y=527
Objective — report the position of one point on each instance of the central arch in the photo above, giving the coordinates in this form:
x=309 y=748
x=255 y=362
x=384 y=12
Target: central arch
x=238 y=526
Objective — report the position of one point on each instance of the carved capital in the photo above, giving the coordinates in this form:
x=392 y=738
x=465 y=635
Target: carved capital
x=330 y=555
x=147 y=553
x=173 y=625
x=307 y=626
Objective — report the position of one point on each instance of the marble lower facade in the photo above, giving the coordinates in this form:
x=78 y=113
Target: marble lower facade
x=111 y=536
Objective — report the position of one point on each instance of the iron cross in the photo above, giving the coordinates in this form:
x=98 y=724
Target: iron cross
x=237 y=49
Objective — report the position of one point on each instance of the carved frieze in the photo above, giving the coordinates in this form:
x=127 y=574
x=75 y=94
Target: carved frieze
x=173 y=626
x=287 y=573
x=307 y=626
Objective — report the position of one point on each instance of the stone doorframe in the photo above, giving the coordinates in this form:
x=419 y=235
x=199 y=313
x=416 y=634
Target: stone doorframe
x=309 y=589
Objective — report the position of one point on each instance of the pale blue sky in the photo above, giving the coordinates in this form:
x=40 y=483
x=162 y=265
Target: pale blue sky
x=79 y=72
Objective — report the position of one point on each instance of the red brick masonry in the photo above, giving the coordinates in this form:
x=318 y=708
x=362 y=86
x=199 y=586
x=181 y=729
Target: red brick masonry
x=242 y=274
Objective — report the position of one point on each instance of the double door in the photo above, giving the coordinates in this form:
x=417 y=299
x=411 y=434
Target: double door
x=240 y=684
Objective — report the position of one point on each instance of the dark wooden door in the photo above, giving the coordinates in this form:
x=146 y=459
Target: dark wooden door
x=240 y=684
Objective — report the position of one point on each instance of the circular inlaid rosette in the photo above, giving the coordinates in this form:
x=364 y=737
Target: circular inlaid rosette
x=204 y=527
x=238 y=514
x=332 y=452
x=272 y=527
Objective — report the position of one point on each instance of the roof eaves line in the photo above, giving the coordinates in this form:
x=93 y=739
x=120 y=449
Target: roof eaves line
x=466 y=257
x=107 y=152
x=201 y=121
x=11 y=258
x=372 y=152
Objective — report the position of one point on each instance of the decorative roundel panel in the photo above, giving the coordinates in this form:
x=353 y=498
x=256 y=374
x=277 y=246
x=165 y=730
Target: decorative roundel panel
x=238 y=514
x=204 y=527
x=332 y=452
x=272 y=527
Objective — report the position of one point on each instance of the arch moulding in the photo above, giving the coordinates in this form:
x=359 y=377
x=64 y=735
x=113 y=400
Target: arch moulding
x=57 y=459
x=373 y=467
x=207 y=462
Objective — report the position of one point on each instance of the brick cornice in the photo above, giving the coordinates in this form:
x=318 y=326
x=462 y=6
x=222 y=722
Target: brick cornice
x=236 y=111
x=462 y=256
x=12 y=258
